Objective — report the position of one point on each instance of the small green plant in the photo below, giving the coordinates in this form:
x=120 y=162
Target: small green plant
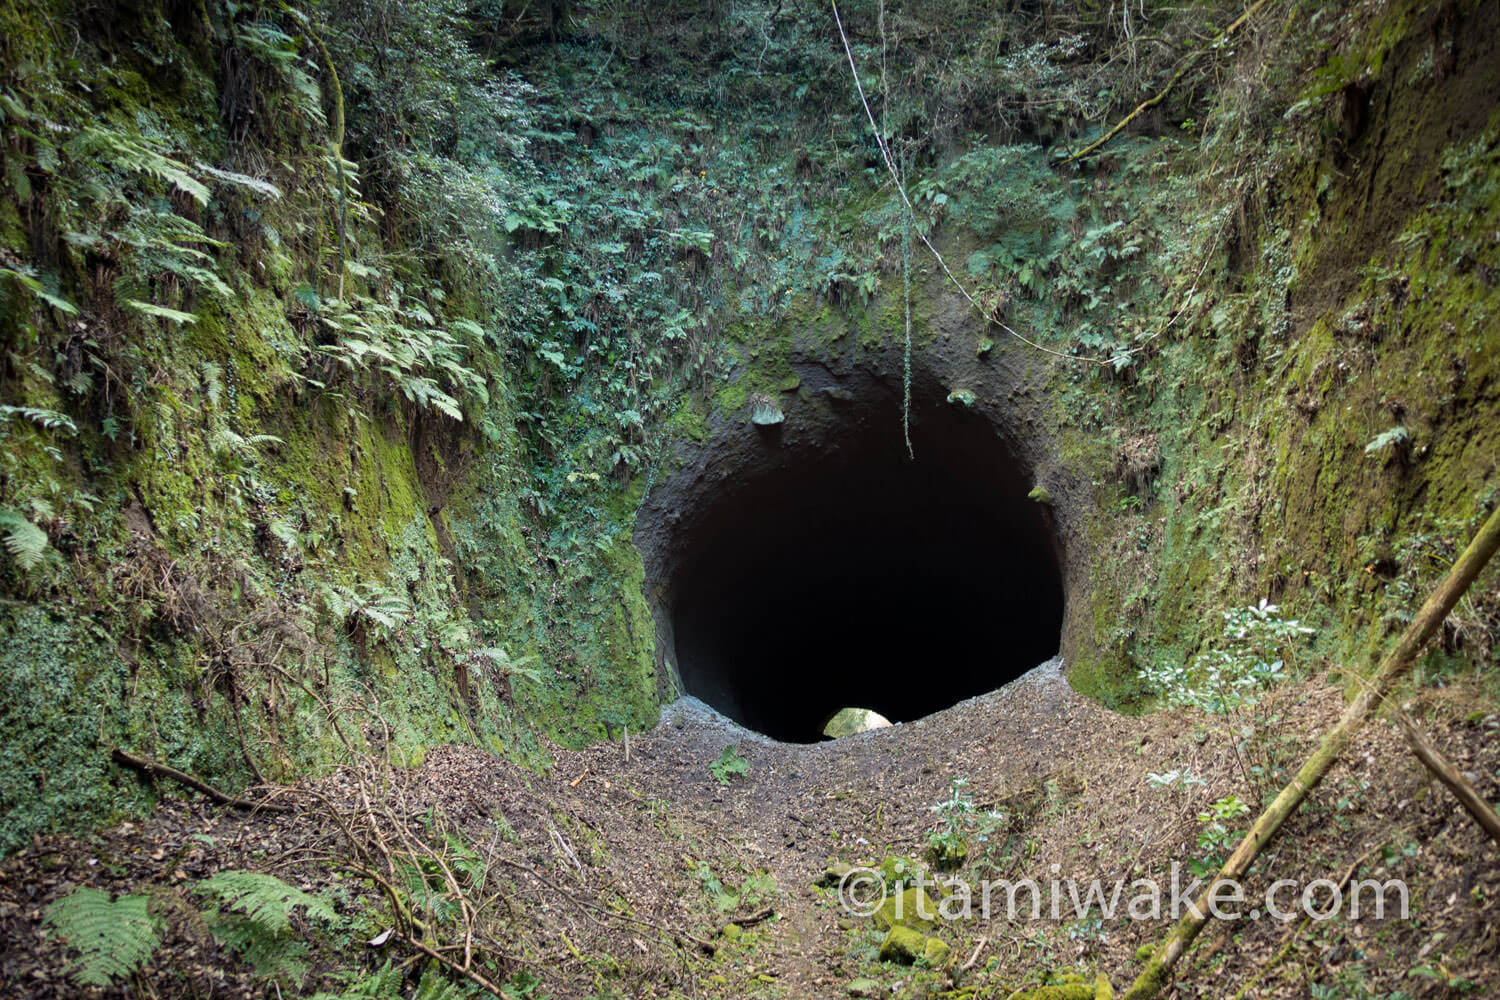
x=1440 y=973
x=1216 y=838
x=729 y=766
x=113 y=937
x=1393 y=438
x=1166 y=779
x=1259 y=643
x=959 y=820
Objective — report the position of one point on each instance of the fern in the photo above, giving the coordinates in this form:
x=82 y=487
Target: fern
x=114 y=938
x=46 y=419
x=265 y=900
x=435 y=986
x=273 y=956
x=386 y=983
x=132 y=156
x=26 y=543
x=257 y=926
x=508 y=667
x=151 y=309
x=383 y=983
x=27 y=279
x=261 y=187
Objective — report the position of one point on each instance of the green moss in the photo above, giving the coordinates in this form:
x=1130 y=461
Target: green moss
x=902 y=944
x=909 y=908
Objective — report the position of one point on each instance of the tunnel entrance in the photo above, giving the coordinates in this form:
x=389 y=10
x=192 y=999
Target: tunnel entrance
x=828 y=569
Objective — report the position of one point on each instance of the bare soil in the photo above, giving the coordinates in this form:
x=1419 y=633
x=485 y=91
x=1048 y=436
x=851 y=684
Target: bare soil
x=611 y=877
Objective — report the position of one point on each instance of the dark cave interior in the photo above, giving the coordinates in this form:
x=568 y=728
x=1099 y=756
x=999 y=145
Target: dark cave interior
x=848 y=574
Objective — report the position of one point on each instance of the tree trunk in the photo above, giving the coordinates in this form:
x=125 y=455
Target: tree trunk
x=1391 y=669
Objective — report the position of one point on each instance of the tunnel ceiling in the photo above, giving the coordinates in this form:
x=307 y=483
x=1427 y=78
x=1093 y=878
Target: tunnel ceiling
x=824 y=568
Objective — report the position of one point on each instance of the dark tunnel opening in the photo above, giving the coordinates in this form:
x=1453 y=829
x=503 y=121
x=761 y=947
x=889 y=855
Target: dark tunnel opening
x=846 y=574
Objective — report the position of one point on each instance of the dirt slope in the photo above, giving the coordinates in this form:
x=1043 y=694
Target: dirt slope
x=615 y=878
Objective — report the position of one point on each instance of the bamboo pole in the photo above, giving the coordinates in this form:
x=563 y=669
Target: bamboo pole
x=1444 y=770
x=1395 y=664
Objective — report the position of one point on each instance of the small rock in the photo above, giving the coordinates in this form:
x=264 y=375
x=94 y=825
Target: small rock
x=903 y=945
x=731 y=932
x=935 y=951
x=835 y=873
x=863 y=988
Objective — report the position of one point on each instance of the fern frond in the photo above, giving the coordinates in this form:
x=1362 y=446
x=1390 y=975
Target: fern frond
x=436 y=986
x=383 y=983
x=46 y=419
x=152 y=309
x=27 y=279
x=263 y=188
x=114 y=938
x=26 y=543
x=274 y=956
x=128 y=154
x=264 y=899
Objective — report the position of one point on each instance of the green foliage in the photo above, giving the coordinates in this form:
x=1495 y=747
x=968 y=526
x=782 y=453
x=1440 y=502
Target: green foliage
x=754 y=891
x=254 y=920
x=959 y=823
x=384 y=983
x=1259 y=644
x=27 y=544
x=1216 y=838
x=27 y=279
x=729 y=766
x=401 y=340
x=113 y=937
x=45 y=419
x=265 y=900
x=389 y=983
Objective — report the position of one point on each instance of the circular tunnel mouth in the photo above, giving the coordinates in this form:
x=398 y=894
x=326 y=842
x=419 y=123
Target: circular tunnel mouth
x=834 y=570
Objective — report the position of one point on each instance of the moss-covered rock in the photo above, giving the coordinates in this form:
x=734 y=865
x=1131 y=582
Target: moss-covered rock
x=910 y=908
x=903 y=945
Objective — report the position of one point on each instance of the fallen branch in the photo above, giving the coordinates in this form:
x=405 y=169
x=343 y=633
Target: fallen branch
x=1443 y=770
x=154 y=769
x=1151 y=102
x=754 y=918
x=975 y=956
x=1396 y=663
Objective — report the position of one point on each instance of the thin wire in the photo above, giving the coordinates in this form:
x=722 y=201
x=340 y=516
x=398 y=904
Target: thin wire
x=901 y=190
x=906 y=230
